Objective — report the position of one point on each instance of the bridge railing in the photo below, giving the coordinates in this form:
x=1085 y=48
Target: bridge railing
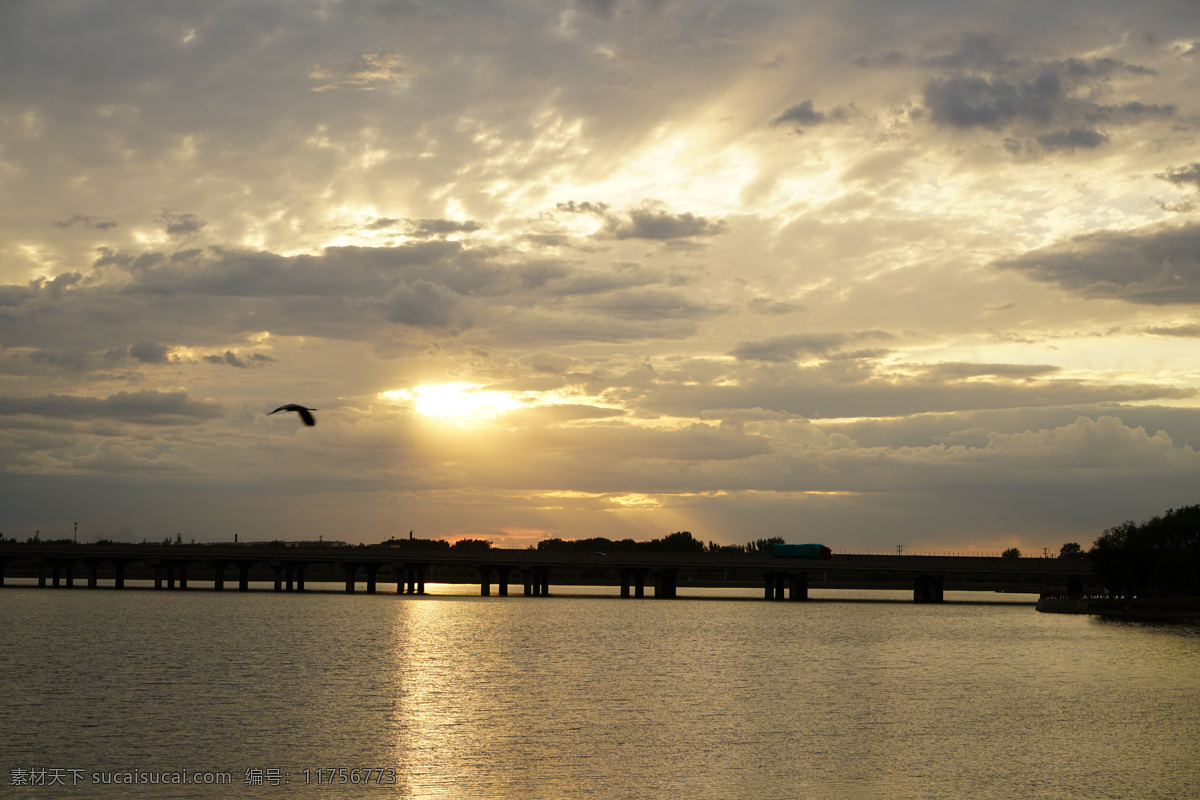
x=920 y=551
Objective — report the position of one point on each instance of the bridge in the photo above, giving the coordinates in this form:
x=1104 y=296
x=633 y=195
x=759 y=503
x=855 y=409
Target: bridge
x=59 y=564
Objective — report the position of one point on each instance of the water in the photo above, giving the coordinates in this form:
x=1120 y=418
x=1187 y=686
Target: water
x=592 y=697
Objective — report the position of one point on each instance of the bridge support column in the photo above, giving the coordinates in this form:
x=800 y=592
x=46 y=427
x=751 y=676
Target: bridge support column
x=666 y=583
x=351 y=571
x=243 y=568
x=371 y=570
x=54 y=572
x=93 y=572
x=41 y=574
x=502 y=575
x=278 y=571
x=415 y=575
x=119 y=573
x=485 y=581
x=928 y=589
x=798 y=590
x=624 y=573
x=219 y=575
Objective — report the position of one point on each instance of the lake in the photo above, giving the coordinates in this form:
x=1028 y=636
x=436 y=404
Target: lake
x=715 y=694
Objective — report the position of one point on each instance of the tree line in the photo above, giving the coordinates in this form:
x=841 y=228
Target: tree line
x=1159 y=557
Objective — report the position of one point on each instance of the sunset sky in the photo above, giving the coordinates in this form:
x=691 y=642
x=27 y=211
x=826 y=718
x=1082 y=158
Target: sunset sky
x=869 y=274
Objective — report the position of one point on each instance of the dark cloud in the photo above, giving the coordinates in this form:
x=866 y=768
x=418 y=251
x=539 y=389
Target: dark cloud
x=1159 y=266
x=586 y=207
x=229 y=358
x=183 y=225
x=86 y=221
x=649 y=223
x=440 y=227
x=987 y=90
x=147 y=407
x=1183 y=175
x=150 y=352
x=422 y=304
x=1074 y=139
x=646 y=222
x=380 y=223
x=792 y=347
x=1181 y=331
x=803 y=115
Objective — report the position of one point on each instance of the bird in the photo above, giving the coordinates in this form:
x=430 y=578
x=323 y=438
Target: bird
x=304 y=413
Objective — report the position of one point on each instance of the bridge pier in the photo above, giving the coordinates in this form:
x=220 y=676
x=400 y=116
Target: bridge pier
x=243 y=568
x=928 y=589
x=218 y=575
x=636 y=575
x=93 y=571
x=351 y=570
x=410 y=578
x=798 y=588
x=665 y=583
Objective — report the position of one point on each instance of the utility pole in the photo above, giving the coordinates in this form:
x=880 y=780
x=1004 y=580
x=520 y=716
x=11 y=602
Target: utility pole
x=76 y=533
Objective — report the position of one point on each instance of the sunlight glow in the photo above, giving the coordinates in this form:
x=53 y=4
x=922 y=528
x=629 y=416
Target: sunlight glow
x=470 y=405
x=464 y=404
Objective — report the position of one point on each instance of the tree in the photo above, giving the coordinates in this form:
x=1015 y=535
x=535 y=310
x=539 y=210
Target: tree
x=1070 y=550
x=1011 y=552
x=1158 y=557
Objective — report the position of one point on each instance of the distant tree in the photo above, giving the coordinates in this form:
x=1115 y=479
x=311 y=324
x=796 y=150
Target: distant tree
x=682 y=541
x=1070 y=550
x=471 y=544
x=1157 y=557
x=763 y=545
x=1011 y=552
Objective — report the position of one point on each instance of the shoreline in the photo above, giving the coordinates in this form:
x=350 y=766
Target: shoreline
x=1146 y=609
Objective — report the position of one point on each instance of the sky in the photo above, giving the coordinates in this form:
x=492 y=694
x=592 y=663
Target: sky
x=920 y=274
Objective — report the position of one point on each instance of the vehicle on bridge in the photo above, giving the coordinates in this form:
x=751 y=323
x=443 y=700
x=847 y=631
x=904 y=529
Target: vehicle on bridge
x=801 y=551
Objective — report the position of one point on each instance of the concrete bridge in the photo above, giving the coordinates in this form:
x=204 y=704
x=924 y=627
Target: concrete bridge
x=171 y=565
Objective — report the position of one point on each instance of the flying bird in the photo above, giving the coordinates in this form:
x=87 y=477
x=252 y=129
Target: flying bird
x=299 y=409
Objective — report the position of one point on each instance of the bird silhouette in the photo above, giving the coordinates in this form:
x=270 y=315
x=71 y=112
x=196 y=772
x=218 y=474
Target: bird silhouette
x=299 y=409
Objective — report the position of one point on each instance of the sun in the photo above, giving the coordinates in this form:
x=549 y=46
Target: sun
x=463 y=404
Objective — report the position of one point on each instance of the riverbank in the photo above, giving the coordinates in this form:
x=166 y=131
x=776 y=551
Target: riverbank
x=1161 y=609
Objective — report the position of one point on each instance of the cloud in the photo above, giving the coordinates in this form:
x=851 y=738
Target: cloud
x=183 y=225
x=150 y=352
x=148 y=407
x=1074 y=139
x=803 y=115
x=233 y=360
x=793 y=346
x=1156 y=265
x=1183 y=175
x=646 y=222
x=1057 y=101
x=86 y=221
